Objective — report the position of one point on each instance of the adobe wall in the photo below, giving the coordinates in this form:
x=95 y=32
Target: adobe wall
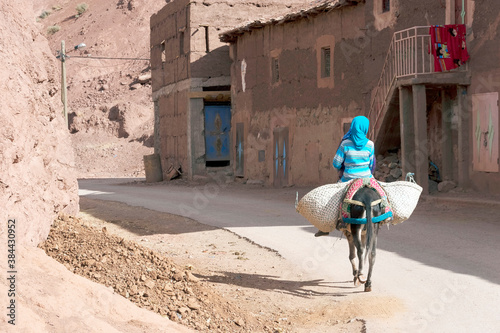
x=202 y=63
x=380 y=27
x=484 y=51
x=173 y=129
x=483 y=42
x=170 y=73
x=168 y=25
x=312 y=107
x=209 y=56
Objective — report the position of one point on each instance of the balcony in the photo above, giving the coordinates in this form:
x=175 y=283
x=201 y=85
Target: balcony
x=408 y=62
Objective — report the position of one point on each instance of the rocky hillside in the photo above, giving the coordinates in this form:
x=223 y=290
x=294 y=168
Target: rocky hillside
x=109 y=100
x=98 y=86
x=37 y=178
x=37 y=183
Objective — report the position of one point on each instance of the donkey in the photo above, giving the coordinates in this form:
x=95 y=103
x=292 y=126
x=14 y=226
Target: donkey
x=366 y=202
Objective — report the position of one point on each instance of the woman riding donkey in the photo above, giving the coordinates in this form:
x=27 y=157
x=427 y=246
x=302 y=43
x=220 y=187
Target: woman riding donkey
x=355 y=157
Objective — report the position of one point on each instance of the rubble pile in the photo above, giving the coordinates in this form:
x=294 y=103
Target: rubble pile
x=146 y=278
x=388 y=168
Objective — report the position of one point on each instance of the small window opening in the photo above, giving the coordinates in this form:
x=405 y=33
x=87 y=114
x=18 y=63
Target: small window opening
x=386 y=6
x=275 y=70
x=207 y=44
x=181 y=42
x=325 y=62
x=163 y=54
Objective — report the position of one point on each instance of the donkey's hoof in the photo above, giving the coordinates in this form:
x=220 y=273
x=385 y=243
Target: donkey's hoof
x=362 y=278
x=368 y=288
x=356 y=281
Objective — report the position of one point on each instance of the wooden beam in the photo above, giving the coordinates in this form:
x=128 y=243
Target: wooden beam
x=450 y=12
x=211 y=95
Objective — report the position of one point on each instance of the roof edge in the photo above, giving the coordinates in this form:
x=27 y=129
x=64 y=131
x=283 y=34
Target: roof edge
x=326 y=5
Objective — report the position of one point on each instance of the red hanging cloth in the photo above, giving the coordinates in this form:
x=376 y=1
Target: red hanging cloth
x=448 y=46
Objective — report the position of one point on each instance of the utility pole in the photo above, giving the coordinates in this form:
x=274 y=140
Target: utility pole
x=64 y=97
x=64 y=91
x=63 y=56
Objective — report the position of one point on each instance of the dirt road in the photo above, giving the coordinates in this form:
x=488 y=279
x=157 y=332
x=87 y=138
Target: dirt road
x=439 y=271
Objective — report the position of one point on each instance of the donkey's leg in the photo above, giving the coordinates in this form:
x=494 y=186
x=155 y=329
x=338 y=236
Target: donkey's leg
x=362 y=227
x=352 y=253
x=356 y=235
x=373 y=254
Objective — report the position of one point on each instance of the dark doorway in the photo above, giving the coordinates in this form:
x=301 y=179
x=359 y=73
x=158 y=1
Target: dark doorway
x=281 y=153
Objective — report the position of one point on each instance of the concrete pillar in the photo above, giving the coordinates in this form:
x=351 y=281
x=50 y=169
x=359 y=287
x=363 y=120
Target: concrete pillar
x=450 y=12
x=447 y=159
x=464 y=136
x=421 y=154
x=407 y=128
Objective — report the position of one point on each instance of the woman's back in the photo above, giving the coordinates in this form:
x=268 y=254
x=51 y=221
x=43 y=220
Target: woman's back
x=357 y=163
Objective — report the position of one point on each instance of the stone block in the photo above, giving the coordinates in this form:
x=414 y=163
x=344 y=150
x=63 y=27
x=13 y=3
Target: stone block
x=446 y=186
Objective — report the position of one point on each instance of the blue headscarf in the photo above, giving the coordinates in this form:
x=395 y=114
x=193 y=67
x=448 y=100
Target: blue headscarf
x=357 y=132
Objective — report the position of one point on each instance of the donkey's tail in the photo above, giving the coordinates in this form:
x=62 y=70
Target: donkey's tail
x=369 y=226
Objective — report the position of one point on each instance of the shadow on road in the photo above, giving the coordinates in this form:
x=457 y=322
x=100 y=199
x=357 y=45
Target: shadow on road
x=274 y=283
x=462 y=238
x=455 y=236
x=142 y=222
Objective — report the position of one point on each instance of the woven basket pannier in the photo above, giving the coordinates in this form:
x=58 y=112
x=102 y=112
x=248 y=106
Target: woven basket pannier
x=321 y=206
x=403 y=198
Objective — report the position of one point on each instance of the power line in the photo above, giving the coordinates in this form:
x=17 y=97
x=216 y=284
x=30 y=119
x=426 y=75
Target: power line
x=86 y=64
x=108 y=58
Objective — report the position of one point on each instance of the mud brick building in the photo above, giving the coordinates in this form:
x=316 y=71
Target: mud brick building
x=296 y=80
x=191 y=80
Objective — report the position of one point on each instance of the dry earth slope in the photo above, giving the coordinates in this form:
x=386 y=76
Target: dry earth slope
x=37 y=182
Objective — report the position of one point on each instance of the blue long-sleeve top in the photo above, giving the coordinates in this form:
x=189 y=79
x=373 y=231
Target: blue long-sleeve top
x=357 y=162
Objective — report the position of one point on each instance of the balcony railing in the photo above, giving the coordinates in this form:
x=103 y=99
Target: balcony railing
x=409 y=55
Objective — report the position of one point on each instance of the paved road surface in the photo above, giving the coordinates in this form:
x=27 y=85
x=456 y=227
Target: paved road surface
x=443 y=263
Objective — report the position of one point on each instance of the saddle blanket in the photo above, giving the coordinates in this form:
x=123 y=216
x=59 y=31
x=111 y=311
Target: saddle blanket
x=345 y=206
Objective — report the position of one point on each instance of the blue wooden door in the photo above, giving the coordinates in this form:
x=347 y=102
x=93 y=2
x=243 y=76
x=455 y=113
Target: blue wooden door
x=217 y=129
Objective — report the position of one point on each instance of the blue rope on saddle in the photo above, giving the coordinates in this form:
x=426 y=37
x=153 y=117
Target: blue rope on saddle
x=375 y=219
